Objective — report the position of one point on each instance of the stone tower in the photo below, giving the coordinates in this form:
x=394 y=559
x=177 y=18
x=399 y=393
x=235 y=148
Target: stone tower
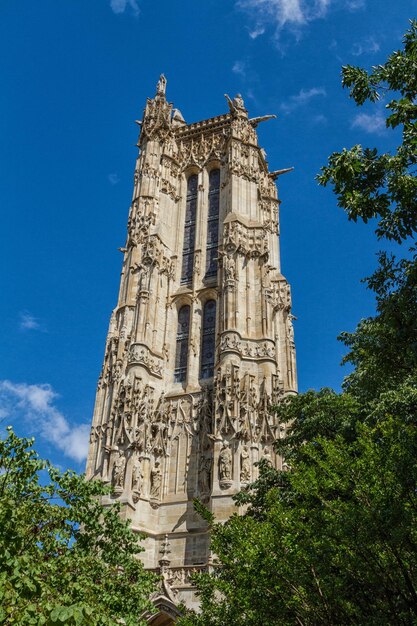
x=200 y=344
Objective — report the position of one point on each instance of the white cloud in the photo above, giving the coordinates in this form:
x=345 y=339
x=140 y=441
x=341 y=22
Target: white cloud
x=256 y=32
x=368 y=45
x=292 y=14
x=35 y=404
x=113 y=178
x=120 y=6
x=28 y=321
x=303 y=97
x=278 y=11
x=373 y=123
x=239 y=67
x=355 y=5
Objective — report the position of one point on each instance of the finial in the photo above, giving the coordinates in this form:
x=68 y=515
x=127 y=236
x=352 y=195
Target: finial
x=165 y=549
x=161 y=86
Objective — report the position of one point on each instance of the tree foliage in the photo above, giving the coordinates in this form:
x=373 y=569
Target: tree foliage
x=334 y=539
x=64 y=559
x=384 y=186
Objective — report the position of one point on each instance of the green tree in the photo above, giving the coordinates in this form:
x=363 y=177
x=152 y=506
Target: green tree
x=64 y=559
x=383 y=186
x=334 y=540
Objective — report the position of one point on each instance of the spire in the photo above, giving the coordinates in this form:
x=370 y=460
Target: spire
x=156 y=120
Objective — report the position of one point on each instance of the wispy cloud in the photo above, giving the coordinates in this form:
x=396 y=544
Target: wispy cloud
x=35 y=405
x=292 y=14
x=365 y=46
x=371 y=123
x=355 y=5
x=239 y=67
x=120 y=6
x=319 y=119
x=28 y=321
x=257 y=31
x=302 y=98
x=113 y=178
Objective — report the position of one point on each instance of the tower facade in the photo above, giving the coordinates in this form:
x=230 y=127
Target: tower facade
x=200 y=345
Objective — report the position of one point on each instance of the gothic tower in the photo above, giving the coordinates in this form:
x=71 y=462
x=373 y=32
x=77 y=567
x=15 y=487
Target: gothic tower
x=200 y=344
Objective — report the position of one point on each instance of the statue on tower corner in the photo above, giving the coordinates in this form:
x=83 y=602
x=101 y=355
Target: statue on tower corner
x=236 y=105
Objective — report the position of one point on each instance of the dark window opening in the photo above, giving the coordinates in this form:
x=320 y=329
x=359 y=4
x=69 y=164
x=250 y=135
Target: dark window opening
x=213 y=223
x=181 y=355
x=208 y=340
x=189 y=230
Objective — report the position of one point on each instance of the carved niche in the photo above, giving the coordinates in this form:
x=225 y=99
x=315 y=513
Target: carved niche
x=243 y=406
x=247 y=241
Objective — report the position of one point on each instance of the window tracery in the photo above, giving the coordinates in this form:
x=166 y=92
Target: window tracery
x=181 y=353
x=213 y=223
x=189 y=230
x=208 y=339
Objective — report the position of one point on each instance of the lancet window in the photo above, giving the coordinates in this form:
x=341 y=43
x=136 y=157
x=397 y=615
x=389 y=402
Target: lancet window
x=189 y=230
x=213 y=223
x=181 y=354
x=208 y=339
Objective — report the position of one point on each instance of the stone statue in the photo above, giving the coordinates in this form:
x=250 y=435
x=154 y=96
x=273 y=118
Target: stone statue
x=119 y=470
x=245 y=465
x=137 y=476
x=267 y=456
x=229 y=268
x=204 y=474
x=238 y=101
x=161 y=85
x=156 y=479
x=225 y=462
x=290 y=327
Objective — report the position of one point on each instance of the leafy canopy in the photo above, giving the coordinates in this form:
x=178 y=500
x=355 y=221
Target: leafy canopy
x=384 y=186
x=64 y=559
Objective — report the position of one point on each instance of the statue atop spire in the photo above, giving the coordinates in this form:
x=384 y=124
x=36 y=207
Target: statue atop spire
x=161 y=86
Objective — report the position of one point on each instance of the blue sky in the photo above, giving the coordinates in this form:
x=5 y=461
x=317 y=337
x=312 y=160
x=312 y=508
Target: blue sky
x=75 y=75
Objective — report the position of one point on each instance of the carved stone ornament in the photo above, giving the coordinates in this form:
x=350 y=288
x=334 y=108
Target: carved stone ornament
x=156 y=123
x=245 y=466
x=198 y=151
x=225 y=466
x=140 y=354
x=181 y=576
x=161 y=86
x=246 y=348
x=204 y=474
x=247 y=241
x=119 y=472
x=137 y=479
x=156 y=480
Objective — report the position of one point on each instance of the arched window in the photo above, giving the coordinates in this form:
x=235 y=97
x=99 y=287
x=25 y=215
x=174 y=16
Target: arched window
x=189 y=230
x=181 y=354
x=213 y=223
x=208 y=339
